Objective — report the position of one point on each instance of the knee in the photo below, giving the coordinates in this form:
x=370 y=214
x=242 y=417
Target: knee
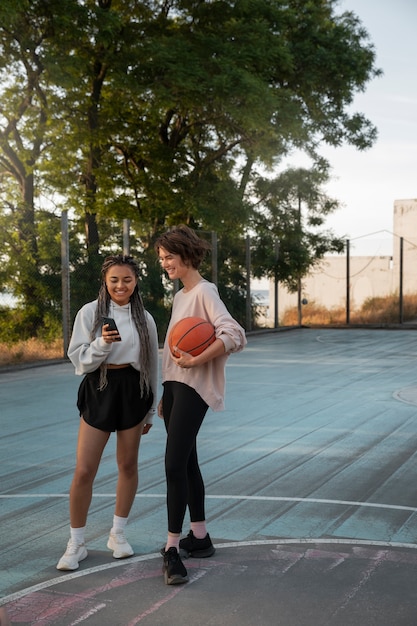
x=83 y=476
x=175 y=470
x=129 y=469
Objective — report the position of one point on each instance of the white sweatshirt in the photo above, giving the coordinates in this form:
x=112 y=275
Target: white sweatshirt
x=87 y=355
x=208 y=379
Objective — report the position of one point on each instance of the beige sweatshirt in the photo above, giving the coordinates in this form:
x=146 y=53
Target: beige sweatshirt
x=208 y=379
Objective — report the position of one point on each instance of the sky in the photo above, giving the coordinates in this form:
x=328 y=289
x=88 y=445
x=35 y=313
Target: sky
x=367 y=183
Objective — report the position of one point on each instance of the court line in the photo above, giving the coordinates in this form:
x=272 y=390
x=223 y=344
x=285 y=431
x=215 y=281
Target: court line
x=219 y=546
x=375 y=505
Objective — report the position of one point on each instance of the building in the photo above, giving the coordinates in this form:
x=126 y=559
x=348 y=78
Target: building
x=370 y=276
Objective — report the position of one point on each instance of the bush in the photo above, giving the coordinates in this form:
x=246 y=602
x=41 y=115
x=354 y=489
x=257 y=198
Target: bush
x=30 y=351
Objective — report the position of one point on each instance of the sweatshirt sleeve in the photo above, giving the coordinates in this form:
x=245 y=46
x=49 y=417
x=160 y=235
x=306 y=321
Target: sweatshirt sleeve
x=154 y=353
x=84 y=354
x=227 y=328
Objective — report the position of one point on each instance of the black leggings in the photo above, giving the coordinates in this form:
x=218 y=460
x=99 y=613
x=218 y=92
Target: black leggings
x=184 y=411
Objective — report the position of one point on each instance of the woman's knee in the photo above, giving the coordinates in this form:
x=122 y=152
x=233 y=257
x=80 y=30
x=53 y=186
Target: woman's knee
x=127 y=468
x=84 y=474
x=175 y=470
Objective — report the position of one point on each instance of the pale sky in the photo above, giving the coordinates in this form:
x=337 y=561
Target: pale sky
x=367 y=183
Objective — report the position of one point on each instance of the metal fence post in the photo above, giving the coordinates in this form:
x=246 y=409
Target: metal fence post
x=347 y=281
x=276 y=283
x=248 y=294
x=65 y=282
x=401 y=280
x=214 y=257
x=126 y=237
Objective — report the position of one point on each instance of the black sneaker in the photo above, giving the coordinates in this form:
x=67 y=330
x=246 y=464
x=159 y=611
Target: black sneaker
x=198 y=548
x=173 y=568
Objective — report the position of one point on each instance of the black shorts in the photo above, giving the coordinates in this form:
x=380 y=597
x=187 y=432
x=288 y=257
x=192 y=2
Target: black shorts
x=119 y=405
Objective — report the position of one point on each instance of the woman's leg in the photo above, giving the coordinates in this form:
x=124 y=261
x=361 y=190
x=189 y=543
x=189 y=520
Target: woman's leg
x=127 y=484
x=184 y=411
x=127 y=462
x=91 y=443
x=195 y=488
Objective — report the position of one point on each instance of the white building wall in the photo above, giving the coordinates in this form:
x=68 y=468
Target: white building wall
x=369 y=276
x=405 y=226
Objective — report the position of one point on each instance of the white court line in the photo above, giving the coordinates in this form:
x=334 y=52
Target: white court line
x=375 y=505
x=308 y=540
x=219 y=546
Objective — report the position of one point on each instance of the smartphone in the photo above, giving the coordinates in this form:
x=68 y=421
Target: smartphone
x=112 y=326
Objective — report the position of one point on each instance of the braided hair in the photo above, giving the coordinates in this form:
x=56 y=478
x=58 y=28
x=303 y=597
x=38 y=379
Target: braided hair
x=138 y=316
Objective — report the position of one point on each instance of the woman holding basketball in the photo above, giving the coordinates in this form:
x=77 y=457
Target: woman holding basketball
x=191 y=384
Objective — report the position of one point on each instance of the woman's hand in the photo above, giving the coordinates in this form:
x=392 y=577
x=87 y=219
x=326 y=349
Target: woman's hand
x=109 y=336
x=187 y=360
x=159 y=409
x=184 y=360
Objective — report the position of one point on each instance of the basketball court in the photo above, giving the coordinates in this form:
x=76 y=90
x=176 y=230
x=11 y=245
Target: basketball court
x=311 y=499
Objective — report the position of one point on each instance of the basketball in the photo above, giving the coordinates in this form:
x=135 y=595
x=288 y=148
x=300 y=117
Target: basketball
x=192 y=335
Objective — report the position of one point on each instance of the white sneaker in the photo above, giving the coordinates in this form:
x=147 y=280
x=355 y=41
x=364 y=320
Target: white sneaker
x=74 y=553
x=121 y=548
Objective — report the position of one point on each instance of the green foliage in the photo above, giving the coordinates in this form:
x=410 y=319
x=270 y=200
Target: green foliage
x=167 y=113
x=288 y=222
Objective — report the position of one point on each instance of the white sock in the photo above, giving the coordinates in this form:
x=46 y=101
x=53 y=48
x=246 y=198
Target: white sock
x=119 y=524
x=78 y=535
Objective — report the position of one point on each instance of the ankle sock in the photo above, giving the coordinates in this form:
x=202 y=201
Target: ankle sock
x=173 y=541
x=199 y=529
x=78 y=535
x=119 y=524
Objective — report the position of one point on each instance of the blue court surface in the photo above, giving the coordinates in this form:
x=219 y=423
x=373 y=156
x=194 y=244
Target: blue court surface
x=311 y=480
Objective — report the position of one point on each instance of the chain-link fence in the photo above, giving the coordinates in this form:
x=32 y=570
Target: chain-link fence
x=373 y=283
x=36 y=321
x=376 y=287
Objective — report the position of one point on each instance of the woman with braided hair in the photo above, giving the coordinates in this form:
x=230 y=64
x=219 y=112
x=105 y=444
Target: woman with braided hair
x=117 y=394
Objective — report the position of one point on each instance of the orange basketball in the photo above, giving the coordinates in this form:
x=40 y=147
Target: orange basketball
x=192 y=335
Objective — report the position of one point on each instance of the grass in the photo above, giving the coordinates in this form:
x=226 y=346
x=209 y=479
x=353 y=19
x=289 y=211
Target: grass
x=374 y=311
x=30 y=351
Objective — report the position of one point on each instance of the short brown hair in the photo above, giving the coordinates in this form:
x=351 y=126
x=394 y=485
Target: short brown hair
x=184 y=241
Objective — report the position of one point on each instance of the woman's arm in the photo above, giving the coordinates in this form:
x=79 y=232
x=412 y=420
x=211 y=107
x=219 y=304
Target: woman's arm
x=186 y=360
x=86 y=355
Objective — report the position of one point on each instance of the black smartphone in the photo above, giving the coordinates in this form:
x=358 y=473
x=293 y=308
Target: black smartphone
x=112 y=326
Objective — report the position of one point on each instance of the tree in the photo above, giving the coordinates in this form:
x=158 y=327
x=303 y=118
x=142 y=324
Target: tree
x=260 y=78
x=93 y=56
x=232 y=87
x=171 y=112
x=23 y=121
x=288 y=224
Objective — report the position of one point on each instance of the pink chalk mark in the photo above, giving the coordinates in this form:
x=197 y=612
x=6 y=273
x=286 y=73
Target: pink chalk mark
x=157 y=605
